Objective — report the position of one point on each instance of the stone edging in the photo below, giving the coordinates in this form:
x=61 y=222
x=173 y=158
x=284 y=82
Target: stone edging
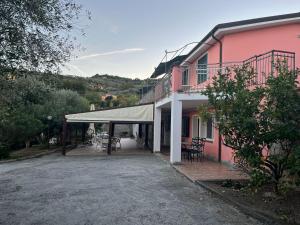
x=29 y=157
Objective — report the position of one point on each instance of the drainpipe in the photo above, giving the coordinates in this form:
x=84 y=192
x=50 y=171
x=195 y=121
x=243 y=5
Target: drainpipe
x=220 y=63
x=221 y=49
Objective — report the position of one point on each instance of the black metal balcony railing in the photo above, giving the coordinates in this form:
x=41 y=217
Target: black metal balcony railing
x=263 y=66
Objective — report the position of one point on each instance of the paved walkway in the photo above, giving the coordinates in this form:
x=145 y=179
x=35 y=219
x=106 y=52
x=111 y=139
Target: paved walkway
x=110 y=190
x=206 y=170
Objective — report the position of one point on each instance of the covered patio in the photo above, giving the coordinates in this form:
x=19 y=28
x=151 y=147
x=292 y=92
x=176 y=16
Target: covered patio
x=176 y=123
x=139 y=117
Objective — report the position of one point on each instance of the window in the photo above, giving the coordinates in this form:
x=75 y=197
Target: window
x=185 y=77
x=207 y=129
x=195 y=126
x=185 y=126
x=202 y=69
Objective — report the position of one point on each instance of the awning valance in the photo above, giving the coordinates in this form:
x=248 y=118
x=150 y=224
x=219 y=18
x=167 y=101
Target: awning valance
x=131 y=114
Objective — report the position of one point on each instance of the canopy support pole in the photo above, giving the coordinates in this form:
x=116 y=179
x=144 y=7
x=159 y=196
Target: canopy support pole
x=140 y=131
x=146 y=135
x=83 y=132
x=64 y=137
x=76 y=133
x=111 y=134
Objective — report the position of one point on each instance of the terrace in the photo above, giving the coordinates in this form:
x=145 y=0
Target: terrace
x=263 y=65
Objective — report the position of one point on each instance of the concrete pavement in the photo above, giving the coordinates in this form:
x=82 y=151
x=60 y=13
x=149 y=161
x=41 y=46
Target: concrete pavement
x=110 y=190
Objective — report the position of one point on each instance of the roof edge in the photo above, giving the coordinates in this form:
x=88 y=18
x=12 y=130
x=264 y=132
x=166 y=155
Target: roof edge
x=111 y=108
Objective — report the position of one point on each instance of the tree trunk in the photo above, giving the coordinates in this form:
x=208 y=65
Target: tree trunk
x=27 y=144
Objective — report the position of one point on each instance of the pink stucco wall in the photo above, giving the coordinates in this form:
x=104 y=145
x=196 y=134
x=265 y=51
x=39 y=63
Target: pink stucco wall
x=243 y=45
x=238 y=47
x=211 y=147
x=176 y=78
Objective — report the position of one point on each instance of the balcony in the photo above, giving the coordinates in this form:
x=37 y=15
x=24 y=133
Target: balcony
x=164 y=87
x=263 y=66
x=147 y=97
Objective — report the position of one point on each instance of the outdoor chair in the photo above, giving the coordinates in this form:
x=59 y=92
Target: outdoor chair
x=97 y=141
x=184 y=151
x=115 y=142
x=104 y=142
x=196 y=149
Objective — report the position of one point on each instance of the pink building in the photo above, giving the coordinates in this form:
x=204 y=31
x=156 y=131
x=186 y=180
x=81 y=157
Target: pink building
x=177 y=95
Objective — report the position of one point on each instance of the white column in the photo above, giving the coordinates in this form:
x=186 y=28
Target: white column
x=157 y=130
x=176 y=117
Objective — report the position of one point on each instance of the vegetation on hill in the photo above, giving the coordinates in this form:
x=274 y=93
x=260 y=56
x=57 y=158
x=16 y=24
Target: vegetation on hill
x=127 y=91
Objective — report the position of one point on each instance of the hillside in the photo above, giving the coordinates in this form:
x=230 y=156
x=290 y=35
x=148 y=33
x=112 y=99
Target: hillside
x=125 y=91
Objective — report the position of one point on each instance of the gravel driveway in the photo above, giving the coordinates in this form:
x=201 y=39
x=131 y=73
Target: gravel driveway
x=132 y=189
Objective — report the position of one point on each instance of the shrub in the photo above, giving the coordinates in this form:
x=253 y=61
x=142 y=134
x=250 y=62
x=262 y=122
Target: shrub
x=4 y=151
x=261 y=124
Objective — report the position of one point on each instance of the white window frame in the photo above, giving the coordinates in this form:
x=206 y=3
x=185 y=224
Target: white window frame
x=188 y=77
x=202 y=128
x=197 y=68
x=195 y=119
x=212 y=130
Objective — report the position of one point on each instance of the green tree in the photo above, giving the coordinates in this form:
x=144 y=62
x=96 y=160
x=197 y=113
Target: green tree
x=60 y=103
x=127 y=100
x=25 y=105
x=22 y=103
x=261 y=124
x=35 y=35
x=281 y=113
x=75 y=85
x=93 y=97
x=23 y=127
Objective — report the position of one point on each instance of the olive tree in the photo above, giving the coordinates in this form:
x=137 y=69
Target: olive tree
x=25 y=104
x=22 y=103
x=63 y=102
x=35 y=34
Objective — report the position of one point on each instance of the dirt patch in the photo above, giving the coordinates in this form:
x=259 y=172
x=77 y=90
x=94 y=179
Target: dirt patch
x=26 y=152
x=32 y=152
x=286 y=209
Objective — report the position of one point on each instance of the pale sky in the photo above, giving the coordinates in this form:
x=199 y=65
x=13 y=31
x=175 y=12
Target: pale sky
x=128 y=37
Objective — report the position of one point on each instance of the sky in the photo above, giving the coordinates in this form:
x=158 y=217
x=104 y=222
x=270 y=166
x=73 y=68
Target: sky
x=129 y=37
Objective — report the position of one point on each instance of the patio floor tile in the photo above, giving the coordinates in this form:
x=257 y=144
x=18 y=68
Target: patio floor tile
x=207 y=170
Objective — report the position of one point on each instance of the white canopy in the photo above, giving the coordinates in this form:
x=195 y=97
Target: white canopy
x=139 y=113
